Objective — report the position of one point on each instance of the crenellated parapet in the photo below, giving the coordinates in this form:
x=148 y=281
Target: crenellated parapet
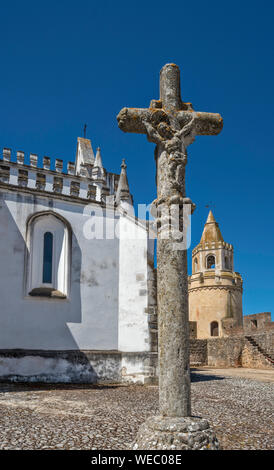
x=64 y=180
x=213 y=245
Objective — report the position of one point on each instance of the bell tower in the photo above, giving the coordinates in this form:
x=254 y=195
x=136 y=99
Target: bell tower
x=215 y=289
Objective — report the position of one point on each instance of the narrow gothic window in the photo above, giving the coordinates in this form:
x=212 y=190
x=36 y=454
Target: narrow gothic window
x=210 y=262
x=195 y=265
x=226 y=263
x=47 y=258
x=214 y=328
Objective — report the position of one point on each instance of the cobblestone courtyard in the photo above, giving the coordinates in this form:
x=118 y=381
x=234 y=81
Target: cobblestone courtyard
x=41 y=416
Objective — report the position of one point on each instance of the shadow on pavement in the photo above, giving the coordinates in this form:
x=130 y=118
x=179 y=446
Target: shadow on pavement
x=196 y=377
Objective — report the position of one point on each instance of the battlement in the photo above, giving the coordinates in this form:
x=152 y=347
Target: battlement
x=92 y=184
x=212 y=246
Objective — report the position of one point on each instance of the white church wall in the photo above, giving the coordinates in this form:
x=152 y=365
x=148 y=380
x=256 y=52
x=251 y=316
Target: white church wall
x=133 y=287
x=88 y=317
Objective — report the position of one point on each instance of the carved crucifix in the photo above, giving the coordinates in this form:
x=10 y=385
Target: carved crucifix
x=172 y=125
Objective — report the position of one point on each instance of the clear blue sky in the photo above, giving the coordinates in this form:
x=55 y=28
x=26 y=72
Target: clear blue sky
x=64 y=63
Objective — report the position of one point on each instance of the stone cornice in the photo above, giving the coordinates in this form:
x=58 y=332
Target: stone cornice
x=210 y=274
x=232 y=287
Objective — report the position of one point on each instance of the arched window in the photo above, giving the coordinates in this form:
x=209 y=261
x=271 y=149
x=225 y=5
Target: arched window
x=210 y=262
x=226 y=262
x=49 y=256
x=214 y=328
x=195 y=265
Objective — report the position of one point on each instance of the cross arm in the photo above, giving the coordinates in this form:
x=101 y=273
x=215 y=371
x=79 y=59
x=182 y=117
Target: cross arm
x=134 y=119
x=204 y=123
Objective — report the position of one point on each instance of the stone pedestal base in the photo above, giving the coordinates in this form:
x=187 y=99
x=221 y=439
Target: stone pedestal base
x=164 y=433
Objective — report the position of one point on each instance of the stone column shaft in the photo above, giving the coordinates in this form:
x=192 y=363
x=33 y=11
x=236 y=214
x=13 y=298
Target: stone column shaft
x=172 y=300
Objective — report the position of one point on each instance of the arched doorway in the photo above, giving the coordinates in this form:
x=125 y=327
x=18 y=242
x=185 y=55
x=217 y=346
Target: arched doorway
x=214 y=328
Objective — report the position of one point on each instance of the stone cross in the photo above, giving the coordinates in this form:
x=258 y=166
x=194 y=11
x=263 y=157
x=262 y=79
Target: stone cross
x=172 y=125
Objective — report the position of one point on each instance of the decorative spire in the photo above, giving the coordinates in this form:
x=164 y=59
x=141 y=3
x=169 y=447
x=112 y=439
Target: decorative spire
x=98 y=172
x=98 y=160
x=84 y=155
x=210 y=218
x=123 y=192
x=211 y=232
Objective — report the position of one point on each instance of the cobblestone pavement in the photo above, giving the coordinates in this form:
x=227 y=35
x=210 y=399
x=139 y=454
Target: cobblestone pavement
x=42 y=416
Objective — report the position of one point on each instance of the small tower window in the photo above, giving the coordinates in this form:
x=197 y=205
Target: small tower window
x=47 y=258
x=214 y=328
x=226 y=262
x=210 y=262
x=195 y=265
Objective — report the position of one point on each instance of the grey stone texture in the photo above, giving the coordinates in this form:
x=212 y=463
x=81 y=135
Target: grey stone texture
x=172 y=125
x=190 y=433
x=257 y=322
x=78 y=366
x=92 y=417
x=198 y=352
x=254 y=351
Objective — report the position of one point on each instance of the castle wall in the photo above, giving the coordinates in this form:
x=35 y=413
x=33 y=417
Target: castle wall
x=257 y=321
x=225 y=352
x=239 y=351
x=198 y=352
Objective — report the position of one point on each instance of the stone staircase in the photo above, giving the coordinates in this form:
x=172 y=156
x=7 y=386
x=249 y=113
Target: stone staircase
x=269 y=358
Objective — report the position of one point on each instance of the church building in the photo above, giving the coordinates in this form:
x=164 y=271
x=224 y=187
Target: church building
x=77 y=274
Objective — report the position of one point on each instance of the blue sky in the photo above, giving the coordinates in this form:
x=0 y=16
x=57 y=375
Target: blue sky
x=66 y=63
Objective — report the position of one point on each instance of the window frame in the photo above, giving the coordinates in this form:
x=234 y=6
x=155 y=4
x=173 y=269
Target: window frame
x=57 y=288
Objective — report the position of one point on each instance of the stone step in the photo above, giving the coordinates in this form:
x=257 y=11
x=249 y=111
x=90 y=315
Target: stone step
x=260 y=350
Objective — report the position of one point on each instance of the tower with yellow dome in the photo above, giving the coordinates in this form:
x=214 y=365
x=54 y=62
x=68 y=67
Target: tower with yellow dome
x=215 y=289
